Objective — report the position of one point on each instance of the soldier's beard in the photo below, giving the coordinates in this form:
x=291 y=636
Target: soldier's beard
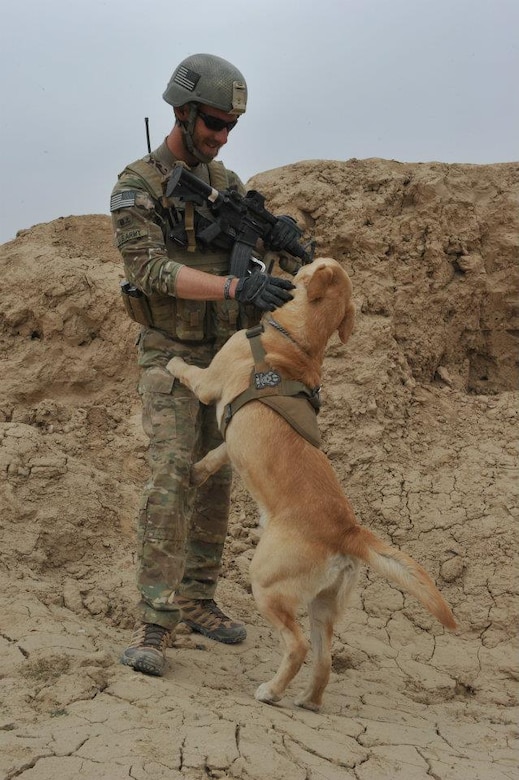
x=193 y=149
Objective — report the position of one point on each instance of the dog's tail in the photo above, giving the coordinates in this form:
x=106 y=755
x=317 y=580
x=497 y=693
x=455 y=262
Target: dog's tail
x=401 y=569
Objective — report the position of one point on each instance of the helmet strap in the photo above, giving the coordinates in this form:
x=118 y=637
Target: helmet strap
x=188 y=128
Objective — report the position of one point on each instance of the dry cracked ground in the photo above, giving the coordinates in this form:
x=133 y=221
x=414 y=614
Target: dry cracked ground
x=420 y=422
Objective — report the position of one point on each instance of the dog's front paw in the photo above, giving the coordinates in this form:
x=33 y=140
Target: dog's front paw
x=198 y=475
x=263 y=693
x=175 y=366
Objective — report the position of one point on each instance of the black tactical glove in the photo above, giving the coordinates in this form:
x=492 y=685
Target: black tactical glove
x=284 y=234
x=264 y=291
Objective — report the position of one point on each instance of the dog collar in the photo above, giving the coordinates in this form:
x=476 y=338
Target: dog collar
x=284 y=331
x=277 y=325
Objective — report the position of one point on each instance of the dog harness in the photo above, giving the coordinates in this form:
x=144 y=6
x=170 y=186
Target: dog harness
x=293 y=400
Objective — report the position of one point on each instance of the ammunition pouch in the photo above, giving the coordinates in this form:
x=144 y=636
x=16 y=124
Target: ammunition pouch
x=289 y=263
x=136 y=304
x=181 y=319
x=192 y=322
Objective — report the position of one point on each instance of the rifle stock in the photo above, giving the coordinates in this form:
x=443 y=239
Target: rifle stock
x=243 y=218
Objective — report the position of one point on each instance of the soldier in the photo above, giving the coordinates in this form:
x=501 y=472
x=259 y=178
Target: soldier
x=181 y=292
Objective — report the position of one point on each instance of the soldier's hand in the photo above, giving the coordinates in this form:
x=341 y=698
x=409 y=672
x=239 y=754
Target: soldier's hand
x=263 y=291
x=284 y=234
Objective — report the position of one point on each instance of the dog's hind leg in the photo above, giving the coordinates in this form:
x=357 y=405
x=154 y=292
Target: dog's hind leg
x=210 y=463
x=322 y=617
x=323 y=612
x=281 y=614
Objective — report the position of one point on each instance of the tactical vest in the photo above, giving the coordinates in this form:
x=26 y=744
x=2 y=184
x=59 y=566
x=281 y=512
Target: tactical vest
x=188 y=320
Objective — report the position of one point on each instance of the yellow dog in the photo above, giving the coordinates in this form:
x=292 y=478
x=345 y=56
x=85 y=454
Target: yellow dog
x=311 y=546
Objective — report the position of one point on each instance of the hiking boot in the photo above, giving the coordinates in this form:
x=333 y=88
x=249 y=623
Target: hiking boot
x=203 y=616
x=147 y=649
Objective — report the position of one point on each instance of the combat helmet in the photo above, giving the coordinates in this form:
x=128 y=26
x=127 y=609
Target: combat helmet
x=207 y=79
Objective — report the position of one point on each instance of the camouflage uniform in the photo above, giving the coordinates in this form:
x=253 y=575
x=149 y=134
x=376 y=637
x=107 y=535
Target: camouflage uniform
x=181 y=531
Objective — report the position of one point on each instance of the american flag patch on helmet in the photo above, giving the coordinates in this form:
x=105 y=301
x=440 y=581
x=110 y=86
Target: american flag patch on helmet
x=186 y=78
x=122 y=200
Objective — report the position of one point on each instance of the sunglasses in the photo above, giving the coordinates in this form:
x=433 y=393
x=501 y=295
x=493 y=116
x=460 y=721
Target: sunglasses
x=216 y=124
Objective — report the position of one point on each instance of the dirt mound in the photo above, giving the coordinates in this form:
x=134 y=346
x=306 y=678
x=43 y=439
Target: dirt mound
x=420 y=420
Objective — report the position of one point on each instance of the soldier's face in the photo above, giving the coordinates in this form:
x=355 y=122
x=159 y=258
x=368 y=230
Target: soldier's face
x=209 y=140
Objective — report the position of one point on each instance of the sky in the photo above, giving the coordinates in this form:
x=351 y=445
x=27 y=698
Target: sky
x=409 y=80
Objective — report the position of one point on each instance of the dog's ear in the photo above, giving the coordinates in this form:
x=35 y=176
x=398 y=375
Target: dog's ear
x=319 y=282
x=346 y=327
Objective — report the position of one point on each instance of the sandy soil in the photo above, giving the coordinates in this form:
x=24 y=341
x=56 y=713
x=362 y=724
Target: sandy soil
x=420 y=421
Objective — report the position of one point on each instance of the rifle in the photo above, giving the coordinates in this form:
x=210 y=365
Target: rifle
x=242 y=218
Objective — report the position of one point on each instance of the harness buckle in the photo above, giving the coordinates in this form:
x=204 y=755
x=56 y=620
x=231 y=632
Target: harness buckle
x=315 y=397
x=227 y=414
x=256 y=330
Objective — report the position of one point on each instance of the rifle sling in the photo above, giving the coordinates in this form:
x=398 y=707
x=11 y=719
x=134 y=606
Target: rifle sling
x=189 y=224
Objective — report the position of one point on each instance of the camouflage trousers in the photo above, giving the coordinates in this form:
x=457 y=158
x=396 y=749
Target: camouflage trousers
x=181 y=530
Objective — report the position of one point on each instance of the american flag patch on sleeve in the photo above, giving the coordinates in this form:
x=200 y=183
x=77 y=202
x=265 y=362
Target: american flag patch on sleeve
x=122 y=200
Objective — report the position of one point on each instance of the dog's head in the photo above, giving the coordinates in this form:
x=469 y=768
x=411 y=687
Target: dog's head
x=326 y=288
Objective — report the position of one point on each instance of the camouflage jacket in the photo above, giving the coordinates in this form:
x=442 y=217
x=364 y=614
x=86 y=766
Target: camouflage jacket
x=153 y=242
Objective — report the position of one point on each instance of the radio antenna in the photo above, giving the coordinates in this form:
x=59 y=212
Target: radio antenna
x=147 y=124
